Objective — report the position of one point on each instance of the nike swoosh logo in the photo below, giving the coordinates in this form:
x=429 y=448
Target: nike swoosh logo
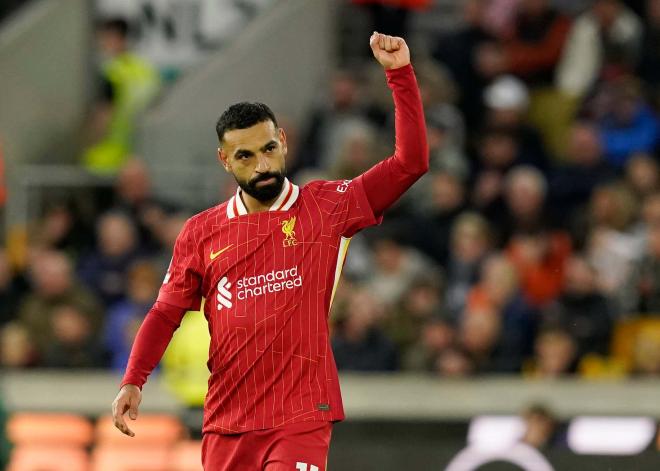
x=215 y=255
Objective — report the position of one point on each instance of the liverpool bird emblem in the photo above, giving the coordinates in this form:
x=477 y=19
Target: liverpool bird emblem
x=288 y=226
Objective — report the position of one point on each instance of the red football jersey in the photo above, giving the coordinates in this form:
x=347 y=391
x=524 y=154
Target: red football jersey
x=268 y=279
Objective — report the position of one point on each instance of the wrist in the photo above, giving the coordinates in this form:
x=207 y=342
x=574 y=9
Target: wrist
x=396 y=67
x=404 y=69
x=130 y=385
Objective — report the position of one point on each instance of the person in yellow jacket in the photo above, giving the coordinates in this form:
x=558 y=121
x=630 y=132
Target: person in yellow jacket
x=184 y=363
x=129 y=84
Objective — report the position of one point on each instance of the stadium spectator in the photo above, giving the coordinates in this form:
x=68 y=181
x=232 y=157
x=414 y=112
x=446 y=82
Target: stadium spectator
x=125 y=316
x=507 y=103
x=62 y=227
x=454 y=362
x=458 y=51
x=357 y=152
x=540 y=257
x=498 y=150
x=500 y=16
x=614 y=241
x=184 y=364
x=479 y=334
x=128 y=85
x=74 y=341
x=541 y=428
x=441 y=194
x=359 y=343
x=583 y=169
x=525 y=195
x=498 y=294
x=581 y=310
x=437 y=335
x=642 y=175
x=646 y=354
x=104 y=269
x=54 y=285
x=531 y=47
x=133 y=195
x=422 y=301
x=329 y=122
x=396 y=266
x=554 y=354
x=446 y=136
x=12 y=288
x=446 y=196
x=642 y=288
x=603 y=42
x=167 y=233
x=470 y=244
x=626 y=122
x=17 y=350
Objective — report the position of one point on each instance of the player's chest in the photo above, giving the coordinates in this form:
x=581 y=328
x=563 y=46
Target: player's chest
x=248 y=245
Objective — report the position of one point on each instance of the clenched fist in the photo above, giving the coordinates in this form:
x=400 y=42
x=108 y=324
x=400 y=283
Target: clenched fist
x=391 y=51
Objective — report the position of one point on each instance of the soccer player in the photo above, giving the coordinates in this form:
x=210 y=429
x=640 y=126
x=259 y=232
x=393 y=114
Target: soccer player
x=267 y=263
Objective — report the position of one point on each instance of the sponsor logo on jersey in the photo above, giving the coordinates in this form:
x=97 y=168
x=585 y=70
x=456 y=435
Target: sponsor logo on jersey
x=343 y=186
x=168 y=275
x=224 y=295
x=251 y=286
x=288 y=226
x=213 y=255
x=271 y=282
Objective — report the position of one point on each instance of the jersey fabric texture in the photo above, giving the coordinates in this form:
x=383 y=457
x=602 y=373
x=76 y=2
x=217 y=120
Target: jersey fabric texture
x=268 y=280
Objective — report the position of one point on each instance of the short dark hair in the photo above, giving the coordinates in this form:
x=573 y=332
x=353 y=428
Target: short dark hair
x=115 y=25
x=243 y=115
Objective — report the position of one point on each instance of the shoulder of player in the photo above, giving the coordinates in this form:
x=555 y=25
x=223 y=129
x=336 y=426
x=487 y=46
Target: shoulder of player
x=327 y=192
x=210 y=215
x=322 y=187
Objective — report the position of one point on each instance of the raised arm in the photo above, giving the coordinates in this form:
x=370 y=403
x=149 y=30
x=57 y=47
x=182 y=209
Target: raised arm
x=388 y=180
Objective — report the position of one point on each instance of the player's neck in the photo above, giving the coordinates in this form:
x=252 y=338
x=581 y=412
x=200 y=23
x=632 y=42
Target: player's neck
x=253 y=205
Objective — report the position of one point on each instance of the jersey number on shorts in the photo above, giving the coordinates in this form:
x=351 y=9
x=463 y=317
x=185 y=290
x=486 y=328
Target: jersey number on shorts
x=305 y=467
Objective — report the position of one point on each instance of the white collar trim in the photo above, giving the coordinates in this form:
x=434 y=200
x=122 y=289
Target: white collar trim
x=288 y=196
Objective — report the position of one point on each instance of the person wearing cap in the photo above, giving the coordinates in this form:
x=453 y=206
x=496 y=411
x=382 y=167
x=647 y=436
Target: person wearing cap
x=507 y=104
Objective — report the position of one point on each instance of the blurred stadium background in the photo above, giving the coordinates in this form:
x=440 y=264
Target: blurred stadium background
x=504 y=317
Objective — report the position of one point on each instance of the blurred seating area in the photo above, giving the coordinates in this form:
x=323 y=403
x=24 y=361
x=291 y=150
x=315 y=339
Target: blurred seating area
x=73 y=442
x=532 y=246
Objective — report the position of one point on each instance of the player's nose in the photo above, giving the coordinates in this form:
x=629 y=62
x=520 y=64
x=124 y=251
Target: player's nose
x=262 y=164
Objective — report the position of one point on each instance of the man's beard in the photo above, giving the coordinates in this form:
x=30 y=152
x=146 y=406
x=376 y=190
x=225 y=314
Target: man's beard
x=267 y=192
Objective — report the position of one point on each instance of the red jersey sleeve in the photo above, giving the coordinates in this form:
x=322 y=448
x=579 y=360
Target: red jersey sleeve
x=182 y=284
x=345 y=205
x=151 y=342
x=386 y=181
x=355 y=204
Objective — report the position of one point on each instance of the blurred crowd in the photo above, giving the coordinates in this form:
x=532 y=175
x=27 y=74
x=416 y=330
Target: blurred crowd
x=531 y=247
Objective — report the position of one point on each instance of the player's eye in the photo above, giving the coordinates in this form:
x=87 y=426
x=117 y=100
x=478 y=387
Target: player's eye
x=271 y=148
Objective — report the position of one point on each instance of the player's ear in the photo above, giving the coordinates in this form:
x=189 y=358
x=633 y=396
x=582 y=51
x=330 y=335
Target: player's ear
x=223 y=159
x=283 y=140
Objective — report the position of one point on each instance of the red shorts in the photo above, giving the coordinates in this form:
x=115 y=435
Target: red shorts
x=296 y=447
